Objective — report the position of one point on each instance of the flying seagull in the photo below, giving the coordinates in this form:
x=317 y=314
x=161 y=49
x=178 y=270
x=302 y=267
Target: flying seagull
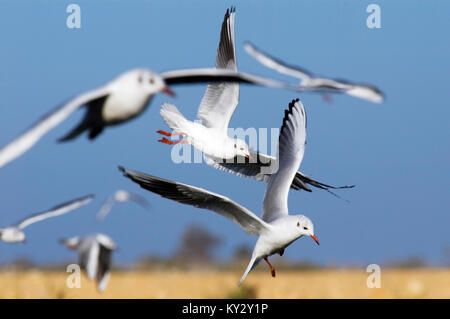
x=276 y=229
x=362 y=91
x=120 y=196
x=95 y=256
x=120 y=100
x=14 y=234
x=215 y=111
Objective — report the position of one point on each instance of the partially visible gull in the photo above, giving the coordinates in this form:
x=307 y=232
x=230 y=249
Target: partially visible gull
x=95 y=256
x=14 y=234
x=307 y=79
x=120 y=196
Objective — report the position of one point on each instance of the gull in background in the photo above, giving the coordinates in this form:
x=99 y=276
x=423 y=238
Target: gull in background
x=307 y=79
x=215 y=111
x=120 y=196
x=276 y=229
x=95 y=256
x=122 y=99
x=14 y=234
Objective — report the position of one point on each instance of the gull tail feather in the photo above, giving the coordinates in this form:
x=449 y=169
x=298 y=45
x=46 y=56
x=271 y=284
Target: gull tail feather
x=252 y=264
x=173 y=118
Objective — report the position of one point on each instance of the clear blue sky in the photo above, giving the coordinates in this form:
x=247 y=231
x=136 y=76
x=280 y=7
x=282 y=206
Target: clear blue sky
x=396 y=153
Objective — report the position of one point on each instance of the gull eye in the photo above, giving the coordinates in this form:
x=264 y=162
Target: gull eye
x=151 y=80
x=305 y=228
x=140 y=79
x=242 y=148
x=298 y=224
x=235 y=145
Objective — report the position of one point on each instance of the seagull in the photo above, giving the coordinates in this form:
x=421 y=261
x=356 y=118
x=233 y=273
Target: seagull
x=15 y=234
x=120 y=196
x=362 y=91
x=276 y=228
x=95 y=254
x=122 y=99
x=215 y=111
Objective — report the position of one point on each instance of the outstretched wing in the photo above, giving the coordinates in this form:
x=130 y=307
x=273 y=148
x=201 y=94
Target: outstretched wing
x=220 y=99
x=104 y=267
x=261 y=169
x=291 y=147
x=56 y=211
x=200 y=198
x=276 y=64
x=31 y=136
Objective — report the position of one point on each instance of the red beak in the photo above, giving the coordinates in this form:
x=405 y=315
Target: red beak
x=168 y=91
x=315 y=239
x=249 y=156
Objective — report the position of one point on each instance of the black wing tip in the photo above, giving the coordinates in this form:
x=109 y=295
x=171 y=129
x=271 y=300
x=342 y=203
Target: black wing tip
x=288 y=111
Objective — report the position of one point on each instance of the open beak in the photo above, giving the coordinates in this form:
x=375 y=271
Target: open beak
x=168 y=91
x=315 y=239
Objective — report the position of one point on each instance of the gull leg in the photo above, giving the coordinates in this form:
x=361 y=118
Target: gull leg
x=169 y=134
x=166 y=141
x=272 y=270
x=327 y=98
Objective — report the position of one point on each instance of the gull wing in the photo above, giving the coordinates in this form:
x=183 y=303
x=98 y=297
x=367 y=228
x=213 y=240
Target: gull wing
x=56 y=211
x=276 y=64
x=200 y=198
x=221 y=99
x=291 y=147
x=31 y=136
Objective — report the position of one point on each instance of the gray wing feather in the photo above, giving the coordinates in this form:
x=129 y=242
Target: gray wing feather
x=221 y=99
x=200 y=198
x=291 y=147
x=276 y=64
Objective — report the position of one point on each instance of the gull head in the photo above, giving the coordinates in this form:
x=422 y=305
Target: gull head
x=152 y=82
x=106 y=241
x=12 y=235
x=366 y=92
x=71 y=243
x=241 y=148
x=142 y=80
x=121 y=196
x=304 y=227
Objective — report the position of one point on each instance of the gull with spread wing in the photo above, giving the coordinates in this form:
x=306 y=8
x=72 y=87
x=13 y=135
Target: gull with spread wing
x=121 y=196
x=276 y=228
x=14 y=234
x=215 y=111
x=307 y=79
x=122 y=99
x=95 y=256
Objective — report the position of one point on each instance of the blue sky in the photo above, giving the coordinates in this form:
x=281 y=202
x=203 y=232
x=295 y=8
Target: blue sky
x=397 y=153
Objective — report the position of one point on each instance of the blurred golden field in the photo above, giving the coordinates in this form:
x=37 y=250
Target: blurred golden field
x=347 y=283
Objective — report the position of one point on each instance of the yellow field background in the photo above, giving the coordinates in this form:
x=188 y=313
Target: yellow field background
x=347 y=283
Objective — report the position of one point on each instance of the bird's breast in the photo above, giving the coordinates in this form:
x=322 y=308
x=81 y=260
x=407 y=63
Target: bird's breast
x=122 y=107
